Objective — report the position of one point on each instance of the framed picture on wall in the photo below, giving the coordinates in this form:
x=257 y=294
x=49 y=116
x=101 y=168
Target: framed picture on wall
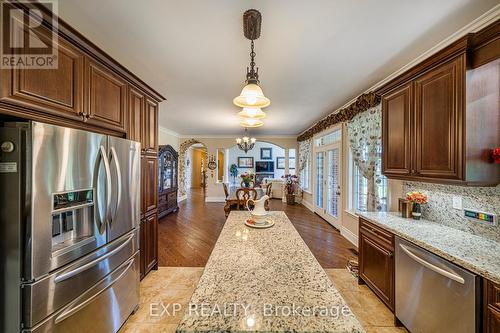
x=280 y=162
x=245 y=162
x=266 y=153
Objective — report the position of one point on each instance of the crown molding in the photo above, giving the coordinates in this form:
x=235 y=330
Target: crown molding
x=184 y=136
x=477 y=24
x=169 y=132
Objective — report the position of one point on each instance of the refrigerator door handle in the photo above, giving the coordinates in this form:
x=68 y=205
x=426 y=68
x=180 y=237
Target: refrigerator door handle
x=92 y=263
x=449 y=275
x=107 y=169
x=114 y=159
x=77 y=305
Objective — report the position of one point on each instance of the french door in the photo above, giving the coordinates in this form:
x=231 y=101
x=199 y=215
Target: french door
x=327 y=181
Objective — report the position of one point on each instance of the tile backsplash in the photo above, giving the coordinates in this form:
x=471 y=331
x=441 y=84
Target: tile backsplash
x=440 y=209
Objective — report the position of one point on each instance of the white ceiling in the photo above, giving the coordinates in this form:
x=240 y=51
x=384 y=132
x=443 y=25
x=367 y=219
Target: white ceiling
x=314 y=56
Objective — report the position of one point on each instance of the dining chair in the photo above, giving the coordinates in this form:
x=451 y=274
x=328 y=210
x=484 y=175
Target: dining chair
x=226 y=191
x=243 y=195
x=268 y=189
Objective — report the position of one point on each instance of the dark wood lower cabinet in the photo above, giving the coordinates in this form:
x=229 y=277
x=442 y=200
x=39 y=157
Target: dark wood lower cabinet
x=149 y=243
x=491 y=301
x=376 y=261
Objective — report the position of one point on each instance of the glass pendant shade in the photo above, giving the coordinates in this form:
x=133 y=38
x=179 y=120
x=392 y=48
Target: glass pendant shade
x=254 y=113
x=252 y=96
x=251 y=122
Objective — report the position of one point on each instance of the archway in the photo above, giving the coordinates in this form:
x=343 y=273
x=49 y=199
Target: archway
x=183 y=149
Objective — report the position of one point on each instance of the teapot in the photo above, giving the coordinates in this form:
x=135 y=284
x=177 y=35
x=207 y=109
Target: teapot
x=259 y=211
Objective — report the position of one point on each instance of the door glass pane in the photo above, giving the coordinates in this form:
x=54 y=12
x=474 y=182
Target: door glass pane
x=333 y=182
x=319 y=179
x=328 y=139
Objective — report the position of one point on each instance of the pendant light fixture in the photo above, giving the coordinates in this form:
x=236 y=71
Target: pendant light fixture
x=255 y=113
x=251 y=122
x=246 y=143
x=252 y=95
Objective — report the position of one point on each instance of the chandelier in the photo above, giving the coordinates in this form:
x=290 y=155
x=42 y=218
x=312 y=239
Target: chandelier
x=252 y=98
x=246 y=143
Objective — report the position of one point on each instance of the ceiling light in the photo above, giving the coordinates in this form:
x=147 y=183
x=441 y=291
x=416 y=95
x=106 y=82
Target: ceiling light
x=246 y=143
x=255 y=113
x=252 y=95
x=251 y=122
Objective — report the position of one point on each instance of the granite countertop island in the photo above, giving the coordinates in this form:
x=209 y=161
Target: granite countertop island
x=478 y=254
x=265 y=280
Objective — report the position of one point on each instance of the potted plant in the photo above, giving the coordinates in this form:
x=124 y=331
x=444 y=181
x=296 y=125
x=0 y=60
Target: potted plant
x=291 y=183
x=417 y=199
x=246 y=179
x=233 y=171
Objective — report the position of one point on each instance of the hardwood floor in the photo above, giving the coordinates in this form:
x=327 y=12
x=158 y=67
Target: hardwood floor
x=186 y=238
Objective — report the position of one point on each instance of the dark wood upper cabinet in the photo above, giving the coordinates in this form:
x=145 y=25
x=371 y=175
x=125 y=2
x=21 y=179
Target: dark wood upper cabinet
x=397 y=111
x=57 y=91
x=151 y=126
x=441 y=119
x=106 y=97
x=136 y=106
x=439 y=104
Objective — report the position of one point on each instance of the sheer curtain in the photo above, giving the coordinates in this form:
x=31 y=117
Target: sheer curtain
x=365 y=140
x=304 y=156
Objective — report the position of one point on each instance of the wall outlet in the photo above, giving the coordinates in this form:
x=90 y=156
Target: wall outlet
x=457 y=202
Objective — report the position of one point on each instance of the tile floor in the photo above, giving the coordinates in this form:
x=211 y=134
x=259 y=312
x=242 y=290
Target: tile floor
x=171 y=285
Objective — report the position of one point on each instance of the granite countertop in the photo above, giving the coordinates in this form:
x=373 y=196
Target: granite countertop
x=478 y=254
x=265 y=280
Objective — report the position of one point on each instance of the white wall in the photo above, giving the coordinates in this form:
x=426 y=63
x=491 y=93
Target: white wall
x=168 y=137
x=235 y=152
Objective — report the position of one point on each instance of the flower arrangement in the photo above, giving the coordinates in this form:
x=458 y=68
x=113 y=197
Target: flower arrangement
x=495 y=154
x=291 y=183
x=417 y=197
x=247 y=177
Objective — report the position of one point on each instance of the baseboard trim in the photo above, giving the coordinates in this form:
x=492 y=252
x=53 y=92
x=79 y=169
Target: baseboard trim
x=182 y=198
x=215 y=199
x=349 y=235
x=308 y=205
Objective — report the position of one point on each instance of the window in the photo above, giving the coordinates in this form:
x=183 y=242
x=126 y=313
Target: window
x=330 y=138
x=360 y=186
x=304 y=176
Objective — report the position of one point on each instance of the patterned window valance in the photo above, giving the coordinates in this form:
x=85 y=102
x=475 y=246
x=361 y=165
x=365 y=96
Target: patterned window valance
x=363 y=103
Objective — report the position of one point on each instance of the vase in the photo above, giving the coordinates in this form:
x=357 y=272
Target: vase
x=246 y=184
x=290 y=199
x=417 y=211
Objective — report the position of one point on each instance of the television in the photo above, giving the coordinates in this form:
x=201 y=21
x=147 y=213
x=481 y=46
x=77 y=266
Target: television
x=264 y=166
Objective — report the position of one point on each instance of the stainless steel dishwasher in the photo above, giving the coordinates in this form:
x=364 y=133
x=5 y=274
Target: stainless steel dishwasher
x=432 y=294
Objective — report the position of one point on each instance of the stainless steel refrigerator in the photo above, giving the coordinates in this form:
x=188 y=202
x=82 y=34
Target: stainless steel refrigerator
x=69 y=229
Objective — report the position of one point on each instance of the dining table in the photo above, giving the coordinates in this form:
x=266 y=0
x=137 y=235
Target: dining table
x=232 y=200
